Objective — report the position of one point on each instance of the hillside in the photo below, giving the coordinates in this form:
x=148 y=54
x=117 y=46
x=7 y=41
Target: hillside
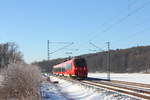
x=129 y=60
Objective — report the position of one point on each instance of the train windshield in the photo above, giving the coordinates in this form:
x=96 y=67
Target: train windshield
x=80 y=62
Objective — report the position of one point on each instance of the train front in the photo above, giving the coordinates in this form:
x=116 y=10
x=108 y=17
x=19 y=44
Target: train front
x=80 y=70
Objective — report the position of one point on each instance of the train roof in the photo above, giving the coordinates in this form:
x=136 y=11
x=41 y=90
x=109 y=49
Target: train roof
x=67 y=61
x=59 y=65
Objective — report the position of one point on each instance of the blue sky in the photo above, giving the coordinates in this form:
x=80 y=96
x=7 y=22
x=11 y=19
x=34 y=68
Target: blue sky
x=30 y=23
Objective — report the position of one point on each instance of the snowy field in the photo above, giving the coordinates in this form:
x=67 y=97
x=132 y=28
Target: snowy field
x=135 y=77
x=65 y=90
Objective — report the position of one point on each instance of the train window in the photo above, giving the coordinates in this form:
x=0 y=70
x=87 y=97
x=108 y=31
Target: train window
x=68 y=66
x=55 y=69
x=63 y=69
x=60 y=69
x=80 y=62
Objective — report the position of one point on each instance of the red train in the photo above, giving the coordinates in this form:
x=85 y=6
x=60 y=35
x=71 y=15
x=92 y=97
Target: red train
x=76 y=67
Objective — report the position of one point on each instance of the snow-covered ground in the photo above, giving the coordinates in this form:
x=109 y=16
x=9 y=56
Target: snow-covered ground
x=135 y=77
x=65 y=90
x=50 y=91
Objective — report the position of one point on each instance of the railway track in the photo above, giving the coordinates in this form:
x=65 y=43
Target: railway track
x=138 y=90
x=132 y=83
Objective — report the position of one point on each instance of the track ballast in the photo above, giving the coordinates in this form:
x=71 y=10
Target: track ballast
x=137 y=90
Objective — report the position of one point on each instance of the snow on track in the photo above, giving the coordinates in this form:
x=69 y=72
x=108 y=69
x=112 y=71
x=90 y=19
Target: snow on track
x=75 y=91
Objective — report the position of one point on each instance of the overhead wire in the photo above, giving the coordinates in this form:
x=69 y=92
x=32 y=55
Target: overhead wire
x=108 y=21
x=132 y=3
x=123 y=19
x=120 y=13
x=133 y=35
x=136 y=33
x=69 y=44
x=96 y=46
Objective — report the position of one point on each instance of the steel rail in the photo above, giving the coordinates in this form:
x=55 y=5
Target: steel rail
x=127 y=86
x=128 y=91
x=117 y=86
x=132 y=83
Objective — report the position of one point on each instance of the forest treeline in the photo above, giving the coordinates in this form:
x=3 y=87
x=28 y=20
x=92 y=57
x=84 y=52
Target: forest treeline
x=9 y=54
x=135 y=59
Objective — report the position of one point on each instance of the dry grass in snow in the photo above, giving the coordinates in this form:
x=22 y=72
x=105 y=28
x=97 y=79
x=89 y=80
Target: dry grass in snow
x=21 y=82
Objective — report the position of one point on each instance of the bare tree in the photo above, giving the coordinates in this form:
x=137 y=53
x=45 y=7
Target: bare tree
x=9 y=54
